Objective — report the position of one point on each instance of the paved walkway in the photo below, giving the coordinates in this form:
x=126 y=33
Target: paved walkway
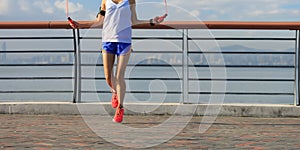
x=72 y=132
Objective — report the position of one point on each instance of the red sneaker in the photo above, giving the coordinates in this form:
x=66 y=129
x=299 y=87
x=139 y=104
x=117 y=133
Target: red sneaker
x=118 y=118
x=114 y=101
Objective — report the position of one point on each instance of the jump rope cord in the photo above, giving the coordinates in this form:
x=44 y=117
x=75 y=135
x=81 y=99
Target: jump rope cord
x=67 y=8
x=166 y=6
x=67 y=13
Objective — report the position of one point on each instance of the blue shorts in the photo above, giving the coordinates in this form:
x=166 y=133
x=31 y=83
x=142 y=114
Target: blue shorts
x=116 y=48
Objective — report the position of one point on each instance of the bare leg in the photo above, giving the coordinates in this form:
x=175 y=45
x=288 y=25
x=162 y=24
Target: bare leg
x=108 y=64
x=120 y=73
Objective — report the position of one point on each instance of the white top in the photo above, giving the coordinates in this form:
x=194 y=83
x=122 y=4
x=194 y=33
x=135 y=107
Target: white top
x=117 y=22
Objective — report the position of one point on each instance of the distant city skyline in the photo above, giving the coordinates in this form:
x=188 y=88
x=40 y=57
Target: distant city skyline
x=172 y=59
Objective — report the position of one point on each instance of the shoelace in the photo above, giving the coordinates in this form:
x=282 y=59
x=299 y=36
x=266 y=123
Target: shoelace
x=118 y=111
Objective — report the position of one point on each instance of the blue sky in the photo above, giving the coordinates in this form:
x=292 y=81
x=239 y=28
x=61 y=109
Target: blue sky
x=212 y=10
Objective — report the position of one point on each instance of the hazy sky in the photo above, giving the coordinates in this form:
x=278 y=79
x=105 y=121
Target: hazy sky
x=233 y=10
x=179 y=10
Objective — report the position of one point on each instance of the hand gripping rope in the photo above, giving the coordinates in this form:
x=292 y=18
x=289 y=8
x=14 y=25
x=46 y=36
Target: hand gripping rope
x=68 y=17
x=166 y=13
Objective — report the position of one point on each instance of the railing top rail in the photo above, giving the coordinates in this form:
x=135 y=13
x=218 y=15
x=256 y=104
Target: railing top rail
x=165 y=25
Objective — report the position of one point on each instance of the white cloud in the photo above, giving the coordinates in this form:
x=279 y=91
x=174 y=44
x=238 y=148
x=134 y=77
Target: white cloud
x=24 y=5
x=45 y=6
x=241 y=9
x=60 y=5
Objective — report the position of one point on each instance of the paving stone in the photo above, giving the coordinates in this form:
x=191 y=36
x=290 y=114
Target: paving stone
x=42 y=132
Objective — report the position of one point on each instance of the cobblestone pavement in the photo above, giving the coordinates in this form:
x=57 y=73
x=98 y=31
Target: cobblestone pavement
x=43 y=132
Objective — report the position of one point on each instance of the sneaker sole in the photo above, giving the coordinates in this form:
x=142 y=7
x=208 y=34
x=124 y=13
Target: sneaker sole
x=116 y=121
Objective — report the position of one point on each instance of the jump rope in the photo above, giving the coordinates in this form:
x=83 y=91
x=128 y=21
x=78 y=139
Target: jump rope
x=166 y=12
x=71 y=21
x=67 y=13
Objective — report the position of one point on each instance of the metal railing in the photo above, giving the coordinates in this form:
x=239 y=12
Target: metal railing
x=184 y=78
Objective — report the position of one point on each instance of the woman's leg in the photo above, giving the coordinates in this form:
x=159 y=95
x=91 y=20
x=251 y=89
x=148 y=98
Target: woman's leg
x=108 y=64
x=120 y=73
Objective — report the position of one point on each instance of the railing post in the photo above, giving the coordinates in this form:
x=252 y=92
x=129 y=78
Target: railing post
x=75 y=67
x=78 y=67
x=297 y=67
x=185 y=66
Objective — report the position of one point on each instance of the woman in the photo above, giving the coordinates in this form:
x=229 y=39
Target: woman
x=117 y=17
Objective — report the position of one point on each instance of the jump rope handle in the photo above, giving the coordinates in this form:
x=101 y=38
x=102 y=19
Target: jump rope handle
x=72 y=22
x=162 y=17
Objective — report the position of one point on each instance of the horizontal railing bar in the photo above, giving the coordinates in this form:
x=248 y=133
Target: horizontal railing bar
x=150 y=38
x=157 y=38
x=39 y=51
x=35 y=38
x=196 y=79
x=138 y=52
x=142 y=52
x=91 y=51
x=157 y=52
x=138 y=65
x=240 y=39
x=239 y=52
x=209 y=79
x=177 y=65
x=240 y=93
x=138 y=38
x=151 y=92
x=155 y=65
x=26 y=92
x=190 y=52
x=93 y=78
x=91 y=38
x=197 y=38
x=36 y=78
x=174 y=92
x=27 y=65
x=137 y=92
x=241 y=66
x=164 y=25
